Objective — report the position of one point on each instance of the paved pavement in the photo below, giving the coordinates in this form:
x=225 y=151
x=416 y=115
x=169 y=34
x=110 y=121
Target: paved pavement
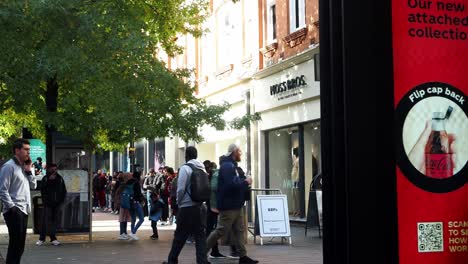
x=105 y=247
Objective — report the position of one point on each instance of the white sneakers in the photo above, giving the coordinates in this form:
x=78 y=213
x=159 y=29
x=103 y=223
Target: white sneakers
x=40 y=243
x=128 y=237
x=133 y=237
x=123 y=237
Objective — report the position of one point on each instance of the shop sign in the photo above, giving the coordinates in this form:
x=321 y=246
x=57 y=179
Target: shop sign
x=289 y=85
x=273 y=216
x=430 y=49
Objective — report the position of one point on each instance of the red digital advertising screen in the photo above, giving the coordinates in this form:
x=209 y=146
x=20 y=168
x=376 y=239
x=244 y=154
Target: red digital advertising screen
x=430 y=58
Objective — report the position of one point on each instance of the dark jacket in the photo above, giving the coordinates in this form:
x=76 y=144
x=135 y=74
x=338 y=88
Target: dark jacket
x=231 y=188
x=53 y=191
x=137 y=196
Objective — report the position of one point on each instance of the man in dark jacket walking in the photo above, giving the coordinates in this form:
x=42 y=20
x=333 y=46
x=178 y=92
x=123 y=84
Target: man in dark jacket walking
x=53 y=192
x=230 y=201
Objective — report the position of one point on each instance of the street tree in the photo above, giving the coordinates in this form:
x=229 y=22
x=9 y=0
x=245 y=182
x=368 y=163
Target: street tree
x=90 y=69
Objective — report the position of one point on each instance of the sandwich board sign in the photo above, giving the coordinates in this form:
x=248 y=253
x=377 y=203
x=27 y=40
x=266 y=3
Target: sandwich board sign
x=273 y=216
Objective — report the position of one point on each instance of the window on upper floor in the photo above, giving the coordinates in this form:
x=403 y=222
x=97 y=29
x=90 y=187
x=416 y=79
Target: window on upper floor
x=250 y=28
x=296 y=15
x=229 y=34
x=271 y=21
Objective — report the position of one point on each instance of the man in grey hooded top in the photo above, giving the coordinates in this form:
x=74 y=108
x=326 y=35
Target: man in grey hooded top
x=191 y=216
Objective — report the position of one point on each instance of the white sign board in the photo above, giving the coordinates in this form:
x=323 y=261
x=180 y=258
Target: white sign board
x=273 y=216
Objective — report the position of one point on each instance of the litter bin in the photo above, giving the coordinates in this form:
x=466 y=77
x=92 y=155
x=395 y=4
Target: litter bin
x=38 y=208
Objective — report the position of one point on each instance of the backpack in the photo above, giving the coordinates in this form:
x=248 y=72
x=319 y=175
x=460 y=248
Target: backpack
x=214 y=188
x=126 y=197
x=200 y=190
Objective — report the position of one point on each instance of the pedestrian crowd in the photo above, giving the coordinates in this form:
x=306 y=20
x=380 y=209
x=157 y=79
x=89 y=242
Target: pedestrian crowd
x=207 y=204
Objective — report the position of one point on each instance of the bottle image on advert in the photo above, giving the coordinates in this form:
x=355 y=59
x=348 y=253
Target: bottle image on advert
x=439 y=163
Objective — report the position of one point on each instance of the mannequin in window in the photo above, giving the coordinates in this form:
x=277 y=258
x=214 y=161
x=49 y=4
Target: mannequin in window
x=295 y=180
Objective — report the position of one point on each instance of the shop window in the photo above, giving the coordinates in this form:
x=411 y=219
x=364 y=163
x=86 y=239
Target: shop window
x=229 y=37
x=284 y=165
x=271 y=21
x=285 y=171
x=296 y=15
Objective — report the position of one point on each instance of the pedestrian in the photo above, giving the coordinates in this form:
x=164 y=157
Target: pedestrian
x=101 y=191
x=155 y=214
x=124 y=213
x=118 y=182
x=16 y=181
x=108 y=189
x=191 y=218
x=166 y=193
x=136 y=209
x=212 y=212
x=161 y=184
x=53 y=193
x=173 y=200
x=149 y=186
x=230 y=201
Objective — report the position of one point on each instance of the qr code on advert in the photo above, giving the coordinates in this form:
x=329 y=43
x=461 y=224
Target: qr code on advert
x=430 y=237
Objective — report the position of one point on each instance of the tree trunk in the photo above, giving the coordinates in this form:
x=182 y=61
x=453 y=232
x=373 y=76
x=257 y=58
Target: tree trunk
x=51 y=95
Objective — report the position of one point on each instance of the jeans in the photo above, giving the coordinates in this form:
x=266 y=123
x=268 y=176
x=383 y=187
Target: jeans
x=108 y=200
x=148 y=199
x=137 y=211
x=190 y=220
x=153 y=223
x=49 y=219
x=17 y=223
x=229 y=220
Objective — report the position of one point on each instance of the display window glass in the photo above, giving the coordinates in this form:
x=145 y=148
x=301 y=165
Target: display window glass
x=286 y=148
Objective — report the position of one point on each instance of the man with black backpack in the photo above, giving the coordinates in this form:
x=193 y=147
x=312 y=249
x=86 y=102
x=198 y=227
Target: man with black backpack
x=192 y=190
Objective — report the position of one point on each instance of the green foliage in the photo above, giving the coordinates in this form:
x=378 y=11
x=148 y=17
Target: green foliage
x=11 y=125
x=112 y=89
x=244 y=122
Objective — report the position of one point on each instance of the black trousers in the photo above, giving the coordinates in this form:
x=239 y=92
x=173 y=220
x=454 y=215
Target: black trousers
x=165 y=209
x=190 y=221
x=17 y=223
x=49 y=222
x=154 y=226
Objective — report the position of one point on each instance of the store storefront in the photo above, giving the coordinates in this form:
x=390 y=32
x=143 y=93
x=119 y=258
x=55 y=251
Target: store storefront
x=289 y=149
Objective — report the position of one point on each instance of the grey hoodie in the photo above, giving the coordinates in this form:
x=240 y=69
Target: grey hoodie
x=185 y=172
